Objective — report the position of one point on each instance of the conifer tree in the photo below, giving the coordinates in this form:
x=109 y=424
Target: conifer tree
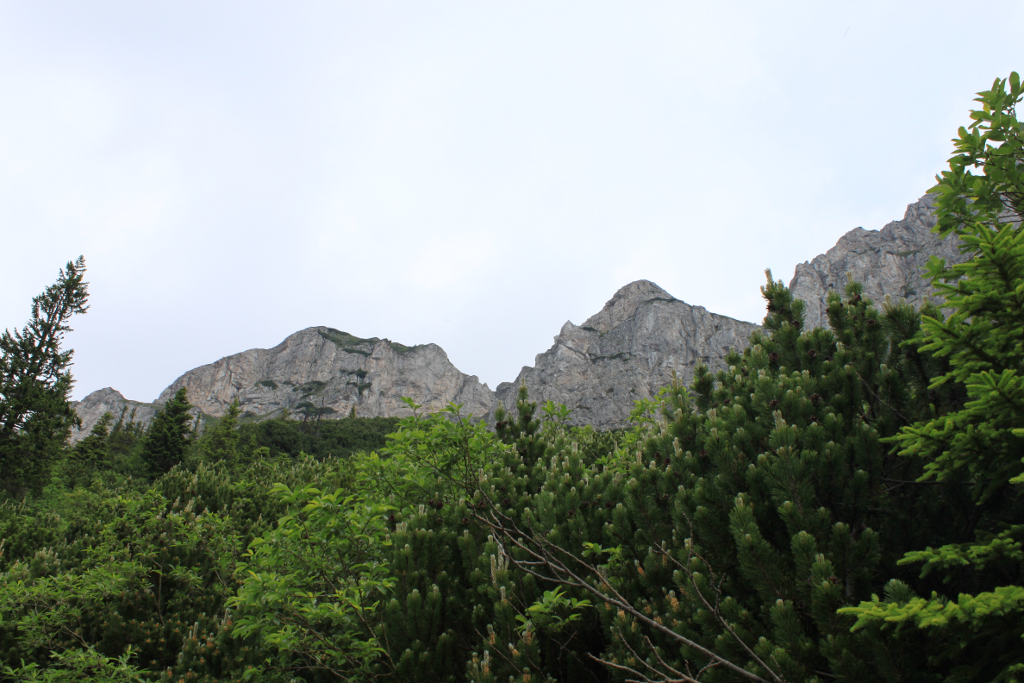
x=970 y=627
x=221 y=444
x=169 y=435
x=724 y=545
x=522 y=431
x=90 y=454
x=93 y=449
x=35 y=383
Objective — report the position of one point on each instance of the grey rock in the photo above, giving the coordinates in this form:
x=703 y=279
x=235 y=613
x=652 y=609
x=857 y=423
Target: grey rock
x=889 y=262
x=333 y=370
x=316 y=368
x=626 y=352
x=91 y=408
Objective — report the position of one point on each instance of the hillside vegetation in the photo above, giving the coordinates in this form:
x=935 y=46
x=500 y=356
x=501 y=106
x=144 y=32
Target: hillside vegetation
x=836 y=504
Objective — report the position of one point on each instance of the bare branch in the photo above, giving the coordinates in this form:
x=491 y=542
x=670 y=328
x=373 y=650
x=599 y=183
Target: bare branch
x=547 y=554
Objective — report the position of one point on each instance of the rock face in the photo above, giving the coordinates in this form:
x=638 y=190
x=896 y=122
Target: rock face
x=888 y=262
x=626 y=352
x=316 y=369
x=91 y=408
x=323 y=368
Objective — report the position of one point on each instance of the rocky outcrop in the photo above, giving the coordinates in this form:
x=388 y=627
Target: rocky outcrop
x=626 y=352
x=889 y=262
x=317 y=370
x=91 y=408
x=323 y=369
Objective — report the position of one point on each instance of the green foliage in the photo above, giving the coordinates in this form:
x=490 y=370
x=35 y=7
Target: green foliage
x=221 y=444
x=122 y=444
x=523 y=432
x=429 y=459
x=313 y=583
x=35 y=383
x=970 y=627
x=764 y=500
x=91 y=570
x=144 y=577
x=89 y=455
x=87 y=666
x=553 y=611
x=329 y=438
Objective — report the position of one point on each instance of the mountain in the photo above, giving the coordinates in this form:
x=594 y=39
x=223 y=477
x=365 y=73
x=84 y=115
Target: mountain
x=888 y=262
x=334 y=370
x=626 y=351
x=108 y=400
x=318 y=368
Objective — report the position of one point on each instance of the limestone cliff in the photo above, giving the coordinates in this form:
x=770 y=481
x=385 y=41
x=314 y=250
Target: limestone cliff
x=91 y=408
x=328 y=369
x=889 y=261
x=625 y=352
x=318 y=368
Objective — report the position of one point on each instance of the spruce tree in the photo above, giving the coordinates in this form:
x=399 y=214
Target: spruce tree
x=35 y=383
x=90 y=454
x=169 y=435
x=221 y=444
x=521 y=430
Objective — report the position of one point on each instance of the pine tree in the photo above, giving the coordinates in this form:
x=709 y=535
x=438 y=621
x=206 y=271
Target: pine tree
x=522 y=431
x=169 y=435
x=35 y=383
x=767 y=500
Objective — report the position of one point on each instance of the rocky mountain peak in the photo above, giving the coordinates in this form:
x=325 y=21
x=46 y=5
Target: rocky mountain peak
x=109 y=400
x=324 y=369
x=624 y=303
x=626 y=352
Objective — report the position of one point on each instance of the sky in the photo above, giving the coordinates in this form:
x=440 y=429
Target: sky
x=471 y=174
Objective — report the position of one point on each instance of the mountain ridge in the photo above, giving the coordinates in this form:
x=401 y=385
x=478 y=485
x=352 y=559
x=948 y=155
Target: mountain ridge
x=639 y=340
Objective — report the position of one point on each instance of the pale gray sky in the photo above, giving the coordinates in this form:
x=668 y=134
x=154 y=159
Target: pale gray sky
x=472 y=174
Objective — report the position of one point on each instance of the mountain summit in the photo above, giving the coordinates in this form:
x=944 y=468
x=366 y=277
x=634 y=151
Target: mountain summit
x=627 y=351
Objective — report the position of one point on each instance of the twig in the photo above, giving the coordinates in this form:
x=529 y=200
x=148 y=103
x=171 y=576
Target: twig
x=565 y=576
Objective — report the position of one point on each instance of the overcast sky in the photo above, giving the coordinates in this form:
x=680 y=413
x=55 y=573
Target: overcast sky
x=472 y=174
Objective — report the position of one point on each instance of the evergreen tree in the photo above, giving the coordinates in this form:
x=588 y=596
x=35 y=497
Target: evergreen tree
x=90 y=454
x=169 y=435
x=93 y=449
x=522 y=431
x=122 y=444
x=726 y=543
x=970 y=626
x=35 y=383
x=221 y=444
